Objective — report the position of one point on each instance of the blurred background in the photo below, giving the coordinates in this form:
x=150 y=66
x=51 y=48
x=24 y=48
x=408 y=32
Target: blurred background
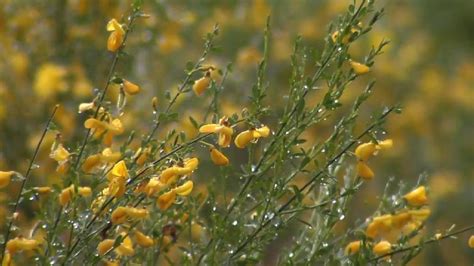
x=55 y=52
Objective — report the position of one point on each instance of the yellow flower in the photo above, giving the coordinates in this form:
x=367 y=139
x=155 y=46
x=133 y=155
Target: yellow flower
x=7 y=259
x=251 y=135
x=379 y=225
x=121 y=214
x=112 y=263
x=185 y=189
x=359 y=68
x=130 y=88
x=223 y=129
x=112 y=129
x=21 y=244
x=114 y=42
x=166 y=200
x=119 y=170
x=385 y=144
x=5 y=177
x=84 y=191
x=153 y=186
x=104 y=246
x=420 y=215
x=353 y=247
x=202 y=84
x=218 y=158
x=382 y=248
x=66 y=195
x=470 y=242
x=60 y=154
x=364 y=171
x=50 y=80
x=91 y=162
x=141 y=156
x=143 y=240
x=169 y=175
x=365 y=150
x=399 y=220
x=417 y=197
x=109 y=156
x=126 y=247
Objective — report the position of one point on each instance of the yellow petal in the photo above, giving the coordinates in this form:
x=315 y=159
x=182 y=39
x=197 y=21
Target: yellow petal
x=385 y=144
x=66 y=195
x=43 y=190
x=114 y=42
x=130 y=87
x=263 y=131
x=353 y=247
x=5 y=177
x=90 y=163
x=119 y=169
x=104 y=246
x=185 y=189
x=125 y=248
x=359 y=68
x=365 y=151
x=382 y=248
x=113 y=25
x=243 y=139
x=191 y=164
x=109 y=156
x=364 y=171
x=218 y=158
x=60 y=154
x=84 y=191
x=166 y=200
x=470 y=242
x=225 y=136
x=201 y=85
x=137 y=213
x=209 y=128
x=143 y=240
x=417 y=197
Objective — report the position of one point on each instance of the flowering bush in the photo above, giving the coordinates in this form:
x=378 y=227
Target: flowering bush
x=218 y=182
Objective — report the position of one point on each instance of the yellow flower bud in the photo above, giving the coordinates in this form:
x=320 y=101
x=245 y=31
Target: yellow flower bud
x=218 y=158
x=66 y=195
x=119 y=215
x=353 y=247
x=130 y=87
x=5 y=177
x=364 y=171
x=166 y=200
x=470 y=242
x=143 y=240
x=201 y=85
x=359 y=68
x=382 y=248
x=185 y=189
x=416 y=197
x=84 y=191
x=104 y=246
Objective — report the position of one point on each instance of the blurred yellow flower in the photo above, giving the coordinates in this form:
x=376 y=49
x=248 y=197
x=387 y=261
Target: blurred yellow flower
x=417 y=197
x=21 y=244
x=91 y=162
x=364 y=171
x=126 y=247
x=109 y=156
x=143 y=240
x=353 y=247
x=60 y=154
x=130 y=88
x=84 y=191
x=379 y=225
x=359 y=68
x=105 y=245
x=121 y=214
x=66 y=195
x=382 y=248
x=185 y=189
x=166 y=200
x=5 y=177
x=202 y=84
x=50 y=80
x=470 y=242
